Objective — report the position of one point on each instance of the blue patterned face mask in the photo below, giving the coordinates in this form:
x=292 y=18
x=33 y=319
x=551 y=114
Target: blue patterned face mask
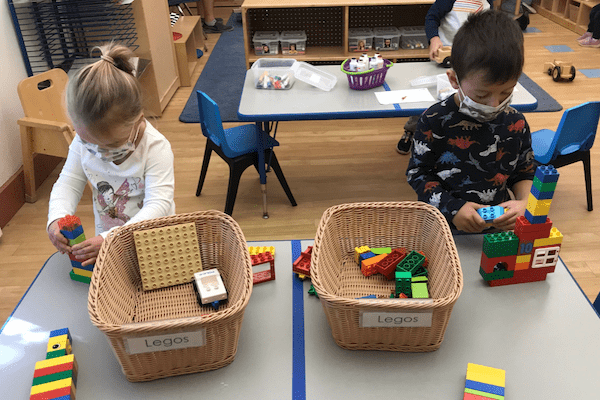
x=111 y=154
x=478 y=111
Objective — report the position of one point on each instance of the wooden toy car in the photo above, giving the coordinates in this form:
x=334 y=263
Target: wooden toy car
x=560 y=70
x=443 y=56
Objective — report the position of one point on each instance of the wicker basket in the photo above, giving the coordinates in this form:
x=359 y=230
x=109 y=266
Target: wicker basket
x=364 y=80
x=120 y=308
x=339 y=282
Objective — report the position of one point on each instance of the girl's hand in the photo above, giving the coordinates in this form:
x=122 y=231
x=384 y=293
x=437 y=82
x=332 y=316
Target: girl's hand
x=513 y=209
x=88 y=250
x=467 y=219
x=58 y=240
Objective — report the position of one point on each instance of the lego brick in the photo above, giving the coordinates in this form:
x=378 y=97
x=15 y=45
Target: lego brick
x=50 y=386
x=358 y=251
x=535 y=219
x=261 y=258
x=381 y=250
x=419 y=289
x=403 y=284
x=490 y=213
x=555 y=238
x=471 y=396
x=72 y=234
x=60 y=332
x=79 y=278
x=484 y=394
x=68 y=392
x=493 y=264
x=523 y=276
x=387 y=266
x=496 y=275
x=210 y=286
x=543 y=186
x=54 y=369
x=538 y=207
x=526 y=231
x=545 y=257
x=302 y=264
x=526 y=258
x=40 y=380
x=366 y=255
x=254 y=250
x=485 y=374
x=82 y=272
x=58 y=346
x=500 y=244
x=426 y=261
x=168 y=255
x=546 y=173
x=521 y=266
x=55 y=361
x=541 y=195
x=484 y=387
x=263 y=276
x=368 y=266
x=411 y=262
x=77 y=240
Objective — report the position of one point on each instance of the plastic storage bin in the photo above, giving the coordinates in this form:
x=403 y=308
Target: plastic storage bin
x=339 y=282
x=266 y=43
x=293 y=42
x=413 y=37
x=386 y=38
x=314 y=76
x=273 y=73
x=126 y=314
x=360 y=39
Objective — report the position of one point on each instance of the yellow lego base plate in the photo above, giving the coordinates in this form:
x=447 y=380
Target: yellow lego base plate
x=167 y=256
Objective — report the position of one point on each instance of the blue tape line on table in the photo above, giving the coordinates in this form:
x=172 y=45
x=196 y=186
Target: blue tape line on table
x=299 y=361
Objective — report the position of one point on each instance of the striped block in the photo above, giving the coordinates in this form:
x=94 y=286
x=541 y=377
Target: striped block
x=484 y=394
x=53 y=389
x=487 y=375
x=484 y=387
x=471 y=396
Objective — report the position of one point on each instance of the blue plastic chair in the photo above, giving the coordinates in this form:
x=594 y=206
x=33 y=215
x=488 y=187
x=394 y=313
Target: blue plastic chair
x=240 y=147
x=571 y=142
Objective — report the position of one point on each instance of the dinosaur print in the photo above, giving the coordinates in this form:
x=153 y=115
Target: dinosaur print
x=428 y=135
x=446 y=118
x=498 y=179
x=462 y=142
x=486 y=196
x=445 y=174
x=466 y=125
x=492 y=148
x=475 y=163
x=420 y=148
x=517 y=126
x=493 y=127
x=448 y=157
x=435 y=199
x=501 y=153
x=431 y=115
x=429 y=186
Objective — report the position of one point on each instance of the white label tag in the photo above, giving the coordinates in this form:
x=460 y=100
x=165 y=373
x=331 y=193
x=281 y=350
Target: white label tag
x=395 y=319
x=172 y=341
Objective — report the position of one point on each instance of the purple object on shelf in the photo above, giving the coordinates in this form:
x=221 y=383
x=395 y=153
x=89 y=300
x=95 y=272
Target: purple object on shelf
x=366 y=79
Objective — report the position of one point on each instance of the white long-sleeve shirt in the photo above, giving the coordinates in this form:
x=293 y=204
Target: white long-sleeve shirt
x=140 y=188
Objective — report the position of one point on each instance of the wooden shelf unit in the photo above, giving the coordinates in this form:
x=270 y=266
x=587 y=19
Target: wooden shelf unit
x=192 y=39
x=326 y=23
x=572 y=14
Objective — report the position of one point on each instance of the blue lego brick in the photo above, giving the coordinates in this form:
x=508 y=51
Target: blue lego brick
x=76 y=264
x=72 y=234
x=541 y=195
x=364 y=256
x=535 y=219
x=371 y=296
x=60 y=332
x=546 y=173
x=490 y=213
x=484 y=387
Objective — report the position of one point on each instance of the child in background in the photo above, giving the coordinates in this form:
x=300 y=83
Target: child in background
x=591 y=38
x=128 y=162
x=471 y=148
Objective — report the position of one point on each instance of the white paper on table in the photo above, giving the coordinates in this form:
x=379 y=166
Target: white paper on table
x=404 y=96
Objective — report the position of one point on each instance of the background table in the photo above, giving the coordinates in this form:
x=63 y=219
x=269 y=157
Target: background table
x=544 y=334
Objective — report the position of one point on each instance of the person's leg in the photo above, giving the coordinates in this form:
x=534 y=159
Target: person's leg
x=210 y=23
x=405 y=143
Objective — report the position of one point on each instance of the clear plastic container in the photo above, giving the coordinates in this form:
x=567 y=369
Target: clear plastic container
x=386 y=38
x=314 y=76
x=273 y=73
x=413 y=37
x=266 y=43
x=293 y=42
x=360 y=39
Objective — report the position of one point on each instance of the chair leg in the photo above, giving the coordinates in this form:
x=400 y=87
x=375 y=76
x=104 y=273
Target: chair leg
x=27 y=147
x=587 y=171
x=281 y=177
x=207 y=153
x=235 y=174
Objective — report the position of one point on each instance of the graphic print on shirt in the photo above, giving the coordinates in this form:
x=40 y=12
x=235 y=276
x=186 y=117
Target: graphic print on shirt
x=111 y=203
x=470 y=6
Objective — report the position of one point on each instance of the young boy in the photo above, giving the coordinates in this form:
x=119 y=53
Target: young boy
x=469 y=149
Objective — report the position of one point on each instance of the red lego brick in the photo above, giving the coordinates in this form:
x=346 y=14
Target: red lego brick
x=69 y=223
x=302 y=264
x=488 y=264
x=263 y=276
x=471 y=396
x=387 y=266
x=368 y=267
x=524 y=276
x=426 y=262
x=527 y=231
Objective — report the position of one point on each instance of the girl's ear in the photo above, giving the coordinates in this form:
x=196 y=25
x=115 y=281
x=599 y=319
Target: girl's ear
x=452 y=78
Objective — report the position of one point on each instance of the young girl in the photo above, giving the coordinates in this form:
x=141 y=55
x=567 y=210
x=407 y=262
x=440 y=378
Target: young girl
x=128 y=162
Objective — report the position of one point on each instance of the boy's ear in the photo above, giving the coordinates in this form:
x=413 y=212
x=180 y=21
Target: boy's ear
x=452 y=78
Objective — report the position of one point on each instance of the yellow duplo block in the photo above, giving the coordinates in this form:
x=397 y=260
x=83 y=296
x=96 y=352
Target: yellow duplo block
x=82 y=272
x=483 y=374
x=52 y=362
x=255 y=250
x=358 y=251
x=555 y=238
x=59 y=343
x=538 y=207
x=523 y=259
x=46 y=387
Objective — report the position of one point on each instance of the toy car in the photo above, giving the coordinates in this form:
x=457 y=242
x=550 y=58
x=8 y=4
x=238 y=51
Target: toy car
x=443 y=56
x=560 y=70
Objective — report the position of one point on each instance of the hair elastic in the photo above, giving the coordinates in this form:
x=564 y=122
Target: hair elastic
x=108 y=59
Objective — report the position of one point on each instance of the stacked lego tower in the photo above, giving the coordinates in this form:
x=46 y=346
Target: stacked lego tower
x=530 y=252
x=70 y=227
x=56 y=376
x=484 y=383
x=262 y=255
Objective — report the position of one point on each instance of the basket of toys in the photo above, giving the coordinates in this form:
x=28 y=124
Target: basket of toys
x=369 y=79
x=359 y=309
x=178 y=334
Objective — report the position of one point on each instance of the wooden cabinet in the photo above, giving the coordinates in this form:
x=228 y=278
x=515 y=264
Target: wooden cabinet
x=326 y=23
x=192 y=39
x=572 y=14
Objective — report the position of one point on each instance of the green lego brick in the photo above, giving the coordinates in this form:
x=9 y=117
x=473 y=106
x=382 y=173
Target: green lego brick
x=420 y=271
x=418 y=279
x=52 y=377
x=419 y=290
x=411 y=262
x=312 y=291
x=80 y=278
x=381 y=250
x=544 y=187
x=500 y=244
x=495 y=275
x=78 y=239
x=484 y=394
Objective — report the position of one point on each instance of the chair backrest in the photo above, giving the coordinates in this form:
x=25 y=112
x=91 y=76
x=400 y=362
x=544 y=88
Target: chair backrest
x=577 y=129
x=211 y=123
x=42 y=96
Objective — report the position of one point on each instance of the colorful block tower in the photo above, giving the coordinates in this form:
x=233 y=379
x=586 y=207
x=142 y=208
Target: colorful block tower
x=56 y=376
x=70 y=227
x=484 y=383
x=530 y=252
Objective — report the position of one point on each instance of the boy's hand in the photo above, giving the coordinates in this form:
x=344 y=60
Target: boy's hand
x=58 y=240
x=88 y=250
x=434 y=45
x=513 y=209
x=467 y=219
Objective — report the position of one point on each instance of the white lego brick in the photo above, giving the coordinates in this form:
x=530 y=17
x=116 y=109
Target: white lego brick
x=210 y=286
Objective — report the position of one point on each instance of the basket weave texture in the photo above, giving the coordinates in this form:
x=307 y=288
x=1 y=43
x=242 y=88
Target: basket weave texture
x=338 y=280
x=120 y=308
x=364 y=80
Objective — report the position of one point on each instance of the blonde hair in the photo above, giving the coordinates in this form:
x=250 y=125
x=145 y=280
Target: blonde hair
x=105 y=93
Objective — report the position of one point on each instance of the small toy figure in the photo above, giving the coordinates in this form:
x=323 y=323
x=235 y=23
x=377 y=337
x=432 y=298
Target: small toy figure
x=560 y=70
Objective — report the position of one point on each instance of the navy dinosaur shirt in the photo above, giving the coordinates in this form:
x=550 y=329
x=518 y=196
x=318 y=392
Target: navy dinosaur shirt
x=456 y=159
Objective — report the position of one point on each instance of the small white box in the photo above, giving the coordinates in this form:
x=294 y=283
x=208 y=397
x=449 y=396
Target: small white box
x=266 y=43
x=210 y=286
x=314 y=76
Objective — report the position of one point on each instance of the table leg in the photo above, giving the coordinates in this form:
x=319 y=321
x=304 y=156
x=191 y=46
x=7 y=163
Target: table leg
x=261 y=169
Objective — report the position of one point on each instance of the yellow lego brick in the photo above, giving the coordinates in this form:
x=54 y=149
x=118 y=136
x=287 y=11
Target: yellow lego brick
x=483 y=374
x=358 y=251
x=555 y=238
x=59 y=343
x=55 y=361
x=523 y=265
x=538 y=207
x=168 y=255
x=46 y=387
x=255 y=250
x=82 y=272
x=524 y=258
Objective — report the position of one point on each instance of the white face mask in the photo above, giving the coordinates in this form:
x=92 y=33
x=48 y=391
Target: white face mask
x=112 y=154
x=478 y=111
